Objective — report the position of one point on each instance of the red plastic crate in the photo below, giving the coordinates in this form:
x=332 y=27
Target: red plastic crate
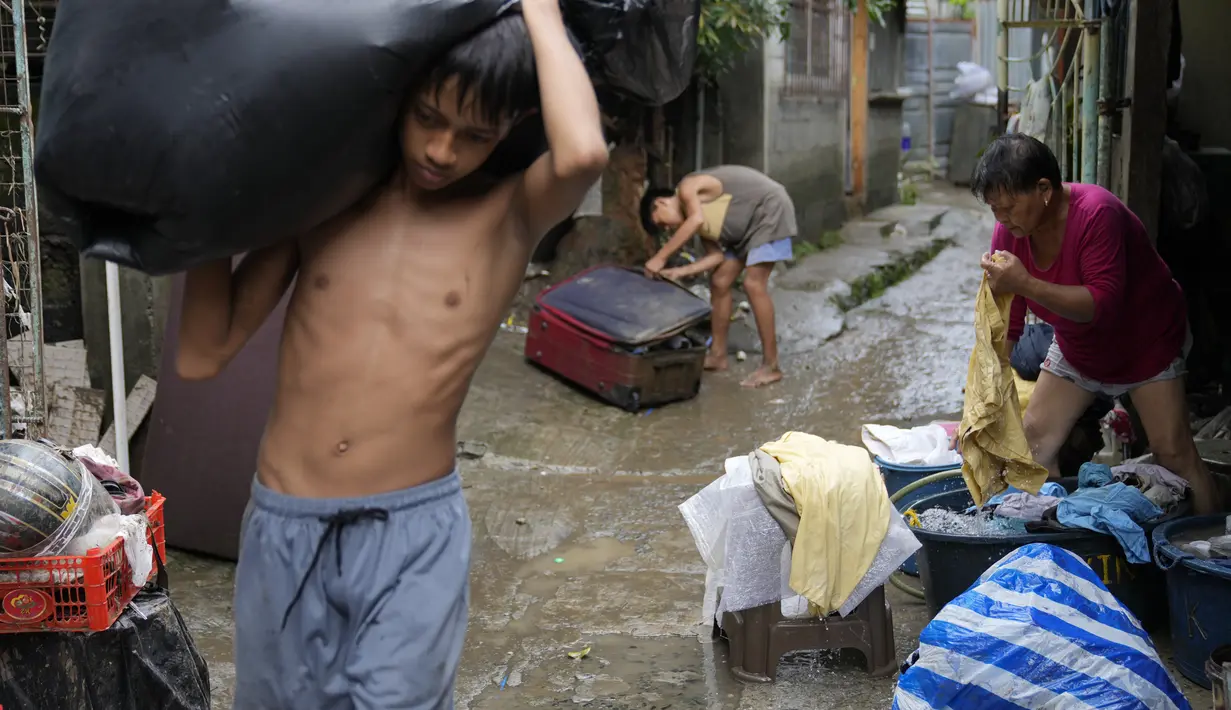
x=74 y=593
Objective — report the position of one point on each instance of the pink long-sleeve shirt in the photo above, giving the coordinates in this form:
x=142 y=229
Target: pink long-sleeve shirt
x=1140 y=318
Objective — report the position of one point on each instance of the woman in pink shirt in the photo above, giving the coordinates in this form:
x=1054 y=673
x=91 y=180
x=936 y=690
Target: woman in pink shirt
x=1082 y=262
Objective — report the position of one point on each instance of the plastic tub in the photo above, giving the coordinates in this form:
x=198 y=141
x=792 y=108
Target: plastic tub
x=898 y=476
x=1198 y=596
x=950 y=564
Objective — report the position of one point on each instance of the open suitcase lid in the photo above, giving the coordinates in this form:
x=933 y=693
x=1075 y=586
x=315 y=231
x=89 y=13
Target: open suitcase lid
x=624 y=306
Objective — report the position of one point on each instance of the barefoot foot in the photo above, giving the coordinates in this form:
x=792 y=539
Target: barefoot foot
x=764 y=375
x=715 y=363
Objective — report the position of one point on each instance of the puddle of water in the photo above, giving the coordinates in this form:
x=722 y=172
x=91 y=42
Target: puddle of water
x=590 y=556
x=621 y=672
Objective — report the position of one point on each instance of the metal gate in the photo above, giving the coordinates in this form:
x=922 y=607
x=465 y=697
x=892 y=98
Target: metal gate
x=23 y=399
x=1081 y=54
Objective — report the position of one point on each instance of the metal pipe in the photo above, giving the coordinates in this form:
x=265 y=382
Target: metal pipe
x=1089 y=98
x=1002 y=62
x=1063 y=123
x=1103 y=175
x=119 y=392
x=6 y=404
x=931 y=93
x=1075 y=116
x=36 y=390
x=700 y=156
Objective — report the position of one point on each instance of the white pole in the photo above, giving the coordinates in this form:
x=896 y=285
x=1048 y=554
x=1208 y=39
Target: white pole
x=119 y=392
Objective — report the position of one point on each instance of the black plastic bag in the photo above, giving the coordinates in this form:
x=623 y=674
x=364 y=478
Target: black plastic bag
x=170 y=134
x=145 y=660
x=642 y=49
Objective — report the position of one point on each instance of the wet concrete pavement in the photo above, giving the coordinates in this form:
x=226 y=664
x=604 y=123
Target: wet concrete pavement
x=578 y=542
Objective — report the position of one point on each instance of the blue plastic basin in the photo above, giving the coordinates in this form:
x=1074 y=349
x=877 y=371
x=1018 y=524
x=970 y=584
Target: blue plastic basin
x=1198 y=596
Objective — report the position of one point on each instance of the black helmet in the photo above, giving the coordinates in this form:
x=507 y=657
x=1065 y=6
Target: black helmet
x=40 y=487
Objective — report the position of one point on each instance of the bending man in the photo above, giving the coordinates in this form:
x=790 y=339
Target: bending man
x=746 y=222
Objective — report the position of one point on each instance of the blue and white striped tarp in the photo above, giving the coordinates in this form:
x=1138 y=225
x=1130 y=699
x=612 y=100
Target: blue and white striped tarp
x=1037 y=630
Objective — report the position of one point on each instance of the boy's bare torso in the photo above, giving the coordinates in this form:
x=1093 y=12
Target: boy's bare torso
x=394 y=306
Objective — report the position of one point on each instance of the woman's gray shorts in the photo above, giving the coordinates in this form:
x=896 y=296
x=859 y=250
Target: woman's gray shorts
x=1058 y=366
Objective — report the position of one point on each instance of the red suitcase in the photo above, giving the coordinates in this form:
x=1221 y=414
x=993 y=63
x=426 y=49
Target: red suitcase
x=628 y=339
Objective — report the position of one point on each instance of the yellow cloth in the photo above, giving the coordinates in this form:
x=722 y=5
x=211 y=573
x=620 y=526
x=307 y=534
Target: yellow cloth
x=1025 y=389
x=715 y=215
x=995 y=454
x=843 y=516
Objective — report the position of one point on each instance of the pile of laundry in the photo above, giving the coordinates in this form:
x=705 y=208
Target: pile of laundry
x=1114 y=501
x=802 y=522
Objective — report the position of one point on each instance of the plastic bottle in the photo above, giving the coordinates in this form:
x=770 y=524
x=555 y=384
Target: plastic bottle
x=905 y=138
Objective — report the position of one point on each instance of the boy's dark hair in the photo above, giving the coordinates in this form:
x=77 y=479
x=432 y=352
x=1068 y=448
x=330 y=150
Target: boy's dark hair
x=495 y=66
x=1014 y=163
x=647 y=207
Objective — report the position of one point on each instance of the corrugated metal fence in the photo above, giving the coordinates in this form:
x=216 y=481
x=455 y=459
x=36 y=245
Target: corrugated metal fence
x=933 y=71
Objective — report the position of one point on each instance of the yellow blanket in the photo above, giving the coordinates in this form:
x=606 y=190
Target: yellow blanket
x=843 y=515
x=995 y=454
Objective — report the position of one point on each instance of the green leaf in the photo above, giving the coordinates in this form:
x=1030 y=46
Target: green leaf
x=729 y=28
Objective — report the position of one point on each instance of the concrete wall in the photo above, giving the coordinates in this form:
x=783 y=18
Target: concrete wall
x=743 y=118
x=884 y=152
x=144 y=301
x=807 y=150
x=886 y=50
x=1205 y=98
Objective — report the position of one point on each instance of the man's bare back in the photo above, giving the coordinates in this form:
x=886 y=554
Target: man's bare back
x=395 y=305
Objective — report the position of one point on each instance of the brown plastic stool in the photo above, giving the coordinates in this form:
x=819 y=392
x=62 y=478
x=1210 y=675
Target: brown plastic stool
x=759 y=637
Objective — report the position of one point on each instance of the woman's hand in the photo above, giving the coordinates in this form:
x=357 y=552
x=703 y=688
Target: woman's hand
x=1005 y=273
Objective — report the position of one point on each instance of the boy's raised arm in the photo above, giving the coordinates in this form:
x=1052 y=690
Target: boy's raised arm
x=577 y=152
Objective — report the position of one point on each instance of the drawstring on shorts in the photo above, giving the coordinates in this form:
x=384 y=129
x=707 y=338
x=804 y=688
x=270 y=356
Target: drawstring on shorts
x=334 y=525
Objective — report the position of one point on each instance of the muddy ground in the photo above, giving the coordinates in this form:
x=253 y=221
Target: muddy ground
x=578 y=542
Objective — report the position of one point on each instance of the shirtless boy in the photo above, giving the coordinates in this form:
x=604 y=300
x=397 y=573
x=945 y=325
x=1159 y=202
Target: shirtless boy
x=746 y=222
x=351 y=590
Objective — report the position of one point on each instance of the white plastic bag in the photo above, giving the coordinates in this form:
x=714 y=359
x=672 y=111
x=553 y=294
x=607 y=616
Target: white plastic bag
x=972 y=81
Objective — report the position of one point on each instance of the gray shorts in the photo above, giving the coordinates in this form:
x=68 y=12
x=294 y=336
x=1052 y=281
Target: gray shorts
x=1058 y=366
x=353 y=603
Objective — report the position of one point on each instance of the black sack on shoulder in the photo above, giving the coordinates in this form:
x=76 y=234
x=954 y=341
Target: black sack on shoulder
x=644 y=50
x=173 y=133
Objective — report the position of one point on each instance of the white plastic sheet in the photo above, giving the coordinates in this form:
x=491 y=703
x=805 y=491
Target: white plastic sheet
x=927 y=445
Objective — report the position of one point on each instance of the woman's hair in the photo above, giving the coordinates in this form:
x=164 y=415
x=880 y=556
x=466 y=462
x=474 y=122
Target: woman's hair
x=1014 y=163
x=647 y=207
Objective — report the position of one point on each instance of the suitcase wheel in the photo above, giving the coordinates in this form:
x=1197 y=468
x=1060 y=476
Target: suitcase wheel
x=628 y=399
